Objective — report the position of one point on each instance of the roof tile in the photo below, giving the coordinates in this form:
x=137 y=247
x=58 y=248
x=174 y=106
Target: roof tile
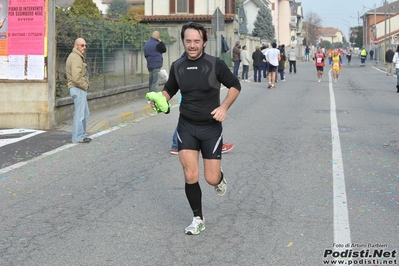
x=180 y=17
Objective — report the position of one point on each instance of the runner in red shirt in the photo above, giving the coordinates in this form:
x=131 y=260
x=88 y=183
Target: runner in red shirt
x=319 y=60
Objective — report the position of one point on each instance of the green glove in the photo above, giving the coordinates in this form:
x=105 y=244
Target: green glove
x=161 y=105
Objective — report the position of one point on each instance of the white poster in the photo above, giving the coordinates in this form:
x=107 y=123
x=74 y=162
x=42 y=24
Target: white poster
x=16 y=66
x=36 y=67
x=3 y=67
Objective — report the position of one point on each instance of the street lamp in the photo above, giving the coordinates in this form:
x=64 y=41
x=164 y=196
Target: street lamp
x=349 y=29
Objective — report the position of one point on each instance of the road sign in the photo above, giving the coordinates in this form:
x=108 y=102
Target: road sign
x=217 y=20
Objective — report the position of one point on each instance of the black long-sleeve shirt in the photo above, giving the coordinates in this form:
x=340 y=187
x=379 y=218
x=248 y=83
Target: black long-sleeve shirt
x=199 y=82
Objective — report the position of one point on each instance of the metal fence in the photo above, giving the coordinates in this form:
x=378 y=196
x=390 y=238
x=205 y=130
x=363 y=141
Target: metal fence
x=115 y=51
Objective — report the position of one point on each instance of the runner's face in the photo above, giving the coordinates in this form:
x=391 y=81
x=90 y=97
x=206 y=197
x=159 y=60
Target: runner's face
x=193 y=43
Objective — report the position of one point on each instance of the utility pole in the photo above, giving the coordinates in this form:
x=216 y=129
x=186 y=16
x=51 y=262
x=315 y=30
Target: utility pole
x=366 y=25
x=375 y=24
x=389 y=16
x=385 y=28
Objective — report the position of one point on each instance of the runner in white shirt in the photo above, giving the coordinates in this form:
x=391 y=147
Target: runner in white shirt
x=272 y=57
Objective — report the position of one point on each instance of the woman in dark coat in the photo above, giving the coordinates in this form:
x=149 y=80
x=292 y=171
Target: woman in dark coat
x=257 y=58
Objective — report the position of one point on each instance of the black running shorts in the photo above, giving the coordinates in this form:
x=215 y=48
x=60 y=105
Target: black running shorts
x=320 y=68
x=205 y=138
x=272 y=68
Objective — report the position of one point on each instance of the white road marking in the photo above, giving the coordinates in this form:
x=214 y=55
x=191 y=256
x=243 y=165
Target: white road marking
x=67 y=146
x=342 y=233
x=383 y=71
x=8 y=141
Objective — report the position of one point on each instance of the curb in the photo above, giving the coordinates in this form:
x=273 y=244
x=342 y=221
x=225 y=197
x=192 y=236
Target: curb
x=124 y=117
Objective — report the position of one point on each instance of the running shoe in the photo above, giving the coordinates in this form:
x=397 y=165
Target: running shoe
x=174 y=151
x=196 y=226
x=222 y=187
x=227 y=147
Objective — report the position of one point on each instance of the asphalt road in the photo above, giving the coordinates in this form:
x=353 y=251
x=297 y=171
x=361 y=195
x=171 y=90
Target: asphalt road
x=314 y=174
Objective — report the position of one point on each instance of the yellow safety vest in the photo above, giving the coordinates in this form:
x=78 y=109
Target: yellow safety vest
x=363 y=52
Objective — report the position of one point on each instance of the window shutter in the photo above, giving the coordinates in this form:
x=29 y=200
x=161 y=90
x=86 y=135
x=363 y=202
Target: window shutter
x=230 y=6
x=191 y=6
x=172 y=6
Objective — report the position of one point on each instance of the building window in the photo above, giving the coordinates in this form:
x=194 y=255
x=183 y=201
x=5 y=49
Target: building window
x=182 y=6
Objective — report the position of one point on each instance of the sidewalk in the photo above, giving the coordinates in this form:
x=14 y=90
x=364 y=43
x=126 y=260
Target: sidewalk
x=114 y=115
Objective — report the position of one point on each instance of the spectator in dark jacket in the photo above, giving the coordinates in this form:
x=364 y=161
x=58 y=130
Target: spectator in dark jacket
x=153 y=50
x=371 y=53
x=388 y=58
x=281 y=63
x=258 y=58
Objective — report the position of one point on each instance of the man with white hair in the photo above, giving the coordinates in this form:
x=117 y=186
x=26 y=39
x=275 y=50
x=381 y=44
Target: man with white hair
x=292 y=59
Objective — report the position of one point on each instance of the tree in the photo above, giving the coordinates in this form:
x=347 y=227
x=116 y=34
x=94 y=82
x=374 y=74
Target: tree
x=85 y=8
x=136 y=10
x=313 y=26
x=117 y=8
x=326 y=45
x=238 y=5
x=338 y=45
x=81 y=20
x=356 y=37
x=263 y=25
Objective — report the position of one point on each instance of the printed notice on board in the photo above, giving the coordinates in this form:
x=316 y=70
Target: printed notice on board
x=35 y=67
x=16 y=66
x=3 y=67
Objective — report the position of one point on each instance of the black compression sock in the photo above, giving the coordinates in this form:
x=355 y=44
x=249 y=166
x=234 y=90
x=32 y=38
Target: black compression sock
x=194 y=196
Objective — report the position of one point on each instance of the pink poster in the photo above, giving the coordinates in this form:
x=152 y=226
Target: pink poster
x=26 y=27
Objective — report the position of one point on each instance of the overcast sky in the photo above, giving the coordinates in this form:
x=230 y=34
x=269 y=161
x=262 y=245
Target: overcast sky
x=340 y=13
